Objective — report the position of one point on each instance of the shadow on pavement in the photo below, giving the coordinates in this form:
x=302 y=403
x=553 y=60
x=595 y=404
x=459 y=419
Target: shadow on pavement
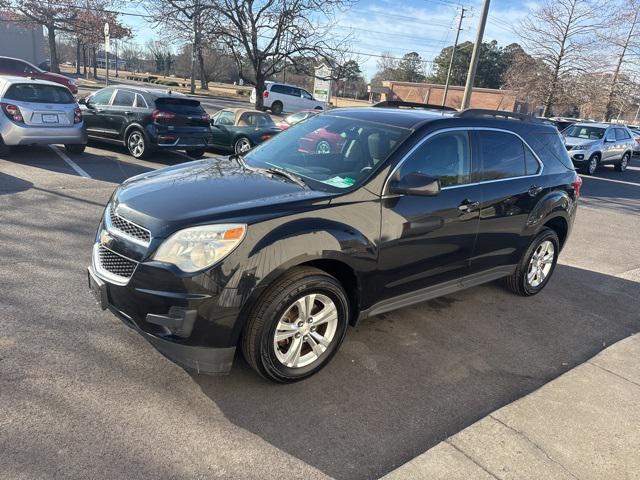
x=605 y=190
x=11 y=184
x=404 y=381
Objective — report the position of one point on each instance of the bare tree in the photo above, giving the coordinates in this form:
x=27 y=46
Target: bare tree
x=54 y=15
x=624 y=35
x=561 y=34
x=185 y=20
x=265 y=36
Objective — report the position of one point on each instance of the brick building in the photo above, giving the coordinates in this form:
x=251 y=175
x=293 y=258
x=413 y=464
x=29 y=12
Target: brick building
x=488 y=98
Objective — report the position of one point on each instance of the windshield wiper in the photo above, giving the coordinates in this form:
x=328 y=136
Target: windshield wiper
x=286 y=174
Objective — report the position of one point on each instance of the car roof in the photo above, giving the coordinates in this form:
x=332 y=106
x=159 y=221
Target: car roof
x=156 y=92
x=18 y=59
x=595 y=124
x=405 y=118
x=13 y=79
x=237 y=112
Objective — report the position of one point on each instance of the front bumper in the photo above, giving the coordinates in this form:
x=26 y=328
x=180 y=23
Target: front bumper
x=173 y=323
x=14 y=134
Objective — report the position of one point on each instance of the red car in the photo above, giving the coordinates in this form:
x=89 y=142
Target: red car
x=22 y=68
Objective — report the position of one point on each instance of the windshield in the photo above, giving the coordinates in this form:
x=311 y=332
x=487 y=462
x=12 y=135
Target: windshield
x=588 y=133
x=329 y=152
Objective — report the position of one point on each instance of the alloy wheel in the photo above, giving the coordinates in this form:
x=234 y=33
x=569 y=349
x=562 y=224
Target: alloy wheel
x=540 y=264
x=624 y=162
x=305 y=330
x=242 y=145
x=593 y=165
x=136 y=144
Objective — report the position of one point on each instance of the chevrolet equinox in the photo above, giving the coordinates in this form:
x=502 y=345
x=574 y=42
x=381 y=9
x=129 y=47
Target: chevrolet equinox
x=276 y=251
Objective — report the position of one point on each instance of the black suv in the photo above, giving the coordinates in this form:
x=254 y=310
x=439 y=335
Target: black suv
x=277 y=251
x=145 y=120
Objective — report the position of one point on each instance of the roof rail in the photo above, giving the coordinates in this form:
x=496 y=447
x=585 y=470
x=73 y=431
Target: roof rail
x=401 y=104
x=481 y=112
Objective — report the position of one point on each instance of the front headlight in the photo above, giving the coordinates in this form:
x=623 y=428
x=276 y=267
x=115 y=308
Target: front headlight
x=584 y=146
x=195 y=248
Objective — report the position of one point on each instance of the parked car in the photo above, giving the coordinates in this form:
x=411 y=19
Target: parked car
x=297 y=117
x=281 y=97
x=21 y=68
x=321 y=141
x=277 y=251
x=145 y=120
x=563 y=123
x=240 y=129
x=635 y=133
x=38 y=112
x=593 y=144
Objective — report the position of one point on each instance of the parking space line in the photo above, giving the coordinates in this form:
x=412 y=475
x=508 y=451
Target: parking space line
x=70 y=162
x=591 y=177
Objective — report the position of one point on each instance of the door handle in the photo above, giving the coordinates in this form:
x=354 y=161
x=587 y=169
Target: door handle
x=128 y=113
x=534 y=190
x=467 y=205
x=99 y=110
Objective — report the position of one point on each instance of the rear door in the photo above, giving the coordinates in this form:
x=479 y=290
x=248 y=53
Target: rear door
x=609 y=146
x=509 y=174
x=623 y=142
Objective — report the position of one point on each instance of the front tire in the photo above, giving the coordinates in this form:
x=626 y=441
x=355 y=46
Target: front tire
x=624 y=162
x=592 y=165
x=296 y=326
x=75 y=149
x=536 y=265
x=242 y=145
x=137 y=144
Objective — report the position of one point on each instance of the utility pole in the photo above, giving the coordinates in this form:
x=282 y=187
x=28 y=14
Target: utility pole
x=474 y=56
x=453 y=54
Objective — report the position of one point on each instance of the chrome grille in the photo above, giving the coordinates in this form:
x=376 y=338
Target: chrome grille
x=114 y=264
x=125 y=227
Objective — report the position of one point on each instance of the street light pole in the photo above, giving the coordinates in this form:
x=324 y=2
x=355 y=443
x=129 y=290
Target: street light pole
x=466 y=100
x=453 y=54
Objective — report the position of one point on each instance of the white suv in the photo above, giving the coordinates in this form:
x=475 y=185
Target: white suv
x=280 y=97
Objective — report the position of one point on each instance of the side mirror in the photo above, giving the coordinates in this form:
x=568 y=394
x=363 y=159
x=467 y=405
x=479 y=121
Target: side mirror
x=415 y=184
x=82 y=101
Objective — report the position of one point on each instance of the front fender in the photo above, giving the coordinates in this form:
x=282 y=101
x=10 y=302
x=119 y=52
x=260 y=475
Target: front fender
x=294 y=243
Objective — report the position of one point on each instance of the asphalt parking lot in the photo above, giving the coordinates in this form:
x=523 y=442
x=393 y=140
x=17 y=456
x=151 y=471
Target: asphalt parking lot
x=82 y=396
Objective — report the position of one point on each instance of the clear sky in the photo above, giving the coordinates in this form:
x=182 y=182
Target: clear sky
x=424 y=26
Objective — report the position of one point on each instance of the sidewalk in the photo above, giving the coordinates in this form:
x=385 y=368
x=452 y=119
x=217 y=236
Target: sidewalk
x=583 y=425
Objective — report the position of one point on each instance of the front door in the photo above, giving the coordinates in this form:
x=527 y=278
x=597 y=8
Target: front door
x=95 y=116
x=424 y=240
x=220 y=124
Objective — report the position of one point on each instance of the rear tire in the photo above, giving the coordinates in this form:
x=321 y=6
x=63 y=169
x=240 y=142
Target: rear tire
x=196 y=153
x=75 y=149
x=592 y=165
x=4 y=148
x=624 y=161
x=137 y=144
x=536 y=265
x=276 y=108
x=288 y=309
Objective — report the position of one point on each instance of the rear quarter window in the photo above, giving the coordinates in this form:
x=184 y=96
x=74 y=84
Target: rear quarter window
x=550 y=145
x=31 y=92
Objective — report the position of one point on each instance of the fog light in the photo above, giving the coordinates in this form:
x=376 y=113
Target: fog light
x=579 y=157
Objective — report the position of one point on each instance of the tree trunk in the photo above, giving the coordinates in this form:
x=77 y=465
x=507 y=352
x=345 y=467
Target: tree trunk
x=53 y=53
x=84 y=60
x=77 y=56
x=260 y=88
x=204 y=81
x=94 y=61
x=608 y=113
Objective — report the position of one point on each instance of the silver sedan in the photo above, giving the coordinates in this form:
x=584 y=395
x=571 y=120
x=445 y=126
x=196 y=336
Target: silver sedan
x=38 y=112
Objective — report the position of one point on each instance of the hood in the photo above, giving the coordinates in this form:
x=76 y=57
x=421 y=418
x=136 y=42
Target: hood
x=207 y=191
x=572 y=141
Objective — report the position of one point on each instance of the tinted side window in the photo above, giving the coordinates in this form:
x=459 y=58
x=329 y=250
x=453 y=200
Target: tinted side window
x=445 y=156
x=102 y=97
x=124 y=98
x=621 y=134
x=140 y=101
x=293 y=91
x=532 y=165
x=502 y=155
x=278 y=88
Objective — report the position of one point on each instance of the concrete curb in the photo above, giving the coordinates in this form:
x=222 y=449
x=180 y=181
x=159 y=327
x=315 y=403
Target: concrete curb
x=582 y=425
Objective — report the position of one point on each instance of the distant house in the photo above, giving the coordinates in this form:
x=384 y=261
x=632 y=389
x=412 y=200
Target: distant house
x=21 y=40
